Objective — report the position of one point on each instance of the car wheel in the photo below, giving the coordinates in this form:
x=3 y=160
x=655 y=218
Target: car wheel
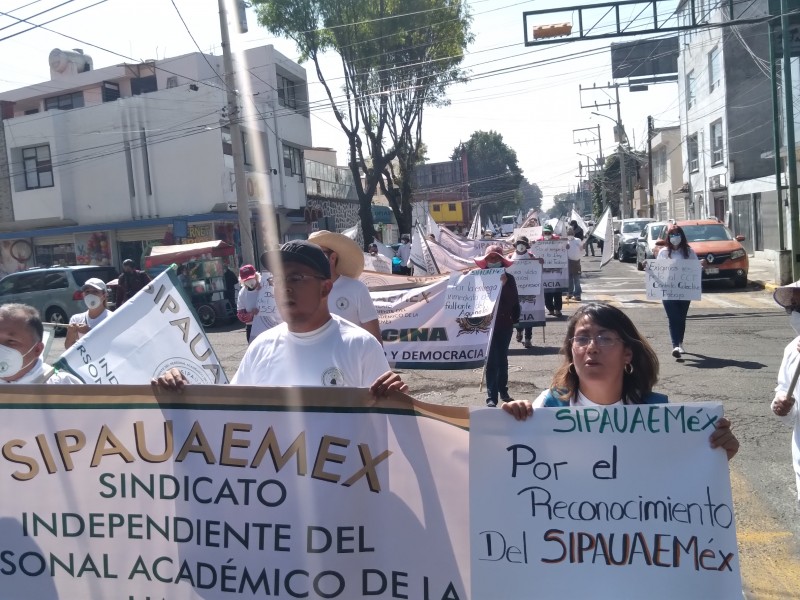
x=639 y=263
x=207 y=315
x=740 y=282
x=55 y=314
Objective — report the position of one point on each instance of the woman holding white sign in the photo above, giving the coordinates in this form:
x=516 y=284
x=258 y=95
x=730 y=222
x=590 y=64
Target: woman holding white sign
x=607 y=363
x=677 y=248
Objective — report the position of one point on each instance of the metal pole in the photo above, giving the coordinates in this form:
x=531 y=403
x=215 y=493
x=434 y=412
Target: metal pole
x=650 y=131
x=234 y=116
x=791 y=153
x=622 y=171
x=602 y=173
x=776 y=133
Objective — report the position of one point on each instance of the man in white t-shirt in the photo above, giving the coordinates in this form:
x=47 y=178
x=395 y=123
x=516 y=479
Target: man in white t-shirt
x=349 y=297
x=311 y=347
x=95 y=296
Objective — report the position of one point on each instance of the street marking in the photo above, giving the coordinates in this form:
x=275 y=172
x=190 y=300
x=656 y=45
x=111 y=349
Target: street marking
x=636 y=298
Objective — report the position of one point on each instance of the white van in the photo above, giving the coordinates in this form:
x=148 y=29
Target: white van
x=508 y=224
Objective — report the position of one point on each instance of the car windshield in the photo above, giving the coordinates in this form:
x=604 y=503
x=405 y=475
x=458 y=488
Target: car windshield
x=656 y=230
x=706 y=233
x=633 y=226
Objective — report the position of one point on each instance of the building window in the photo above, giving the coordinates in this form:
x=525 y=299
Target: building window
x=292 y=161
x=693 y=153
x=31 y=111
x=286 y=92
x=660 y=174
x=110 y=91
x=714 y=68
x=172 y=82
x=64 y=101
x=716 y=142
x=451 y=207
x=436 y=208
x=691 y=90
x=38 y=167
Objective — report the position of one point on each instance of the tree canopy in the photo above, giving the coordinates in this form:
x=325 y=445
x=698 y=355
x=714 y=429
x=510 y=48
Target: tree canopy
x=494 y=174
x=397 y=56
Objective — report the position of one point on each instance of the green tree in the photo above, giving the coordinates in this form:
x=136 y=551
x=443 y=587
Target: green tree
x=531 y=196
x=494 y=174
x=397 y=57
x=609 y=176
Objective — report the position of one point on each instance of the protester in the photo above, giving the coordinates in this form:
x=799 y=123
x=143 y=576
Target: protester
x=404 y=253
x=373 y=249
x=589 y=241
x=607 y=362
x=247 y=302
x=677 y=248
x=522 y=252
x=506 y=316
x=95 y=296
x=21 y=346
x=230 y=280
x=574 y=248
x=130 y=281
x=349 y=297
x=186 y=281
x=552 y=300
x=577 y=229
x=311 y=347
x=783 y=405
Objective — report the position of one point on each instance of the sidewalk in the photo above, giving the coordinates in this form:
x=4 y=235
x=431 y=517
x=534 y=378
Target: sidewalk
x=763 y=272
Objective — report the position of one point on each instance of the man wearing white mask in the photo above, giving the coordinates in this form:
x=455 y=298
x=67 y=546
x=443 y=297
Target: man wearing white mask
x=522 y=252
x=95 y=296
x=785 y=405
x=21 y=348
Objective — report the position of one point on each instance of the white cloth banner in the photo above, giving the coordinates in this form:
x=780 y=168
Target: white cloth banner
x=555 y=275
x=604 y=230
x=532 y=233
x=283 y=493
x=154 y=331
x=441 y=323
x=574 y=216
x=377 y=263
x=468 y=248
x=621 y=502
x=420 y=258
x=528 y=276
x=673 y=279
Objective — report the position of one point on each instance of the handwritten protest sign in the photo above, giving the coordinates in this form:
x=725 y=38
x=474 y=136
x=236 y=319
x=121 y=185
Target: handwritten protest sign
x=229 y=491
x=627 y=501
x=528 y=276
x=472 y=295
x=154 y=331
x=555 y=275
x=673 y=279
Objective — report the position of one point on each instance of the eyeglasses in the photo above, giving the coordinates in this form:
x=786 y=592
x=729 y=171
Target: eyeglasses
x=601 y=341
x=291 y=280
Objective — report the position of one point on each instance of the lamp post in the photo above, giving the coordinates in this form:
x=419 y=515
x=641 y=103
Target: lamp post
x=620 y=136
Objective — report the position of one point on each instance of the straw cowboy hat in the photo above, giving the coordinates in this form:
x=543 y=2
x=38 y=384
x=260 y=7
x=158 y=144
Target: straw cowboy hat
x=495 y=253
x=350 y=257
x=786 y=294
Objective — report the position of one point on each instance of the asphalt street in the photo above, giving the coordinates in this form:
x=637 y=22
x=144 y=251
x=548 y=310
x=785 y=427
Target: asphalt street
x=734 y=343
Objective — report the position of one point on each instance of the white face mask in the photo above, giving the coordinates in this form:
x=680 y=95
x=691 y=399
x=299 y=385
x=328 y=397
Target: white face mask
x=250 y=285
x=522 y=248
x=675 y=240
x=548 y=236
x=11 y=361
x=794 y=319
x=92 y=301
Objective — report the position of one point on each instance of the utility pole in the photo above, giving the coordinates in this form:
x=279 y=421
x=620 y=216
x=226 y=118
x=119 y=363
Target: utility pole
x=234 y=118
x=791 y=153
x=650 y=133
x=599 y=165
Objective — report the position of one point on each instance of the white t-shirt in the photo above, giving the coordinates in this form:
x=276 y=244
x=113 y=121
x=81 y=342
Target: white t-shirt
x=337 y=354
x=677 y=254
x=350 y=299
x=404 y=252
x=581 y=401
x=84 y=319
x=574 y=249
x=515 y=256
x=247 y=299
x=788 y=367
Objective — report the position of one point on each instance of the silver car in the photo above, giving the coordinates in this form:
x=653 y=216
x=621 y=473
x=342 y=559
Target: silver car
x=55 y=292
x=646 y=244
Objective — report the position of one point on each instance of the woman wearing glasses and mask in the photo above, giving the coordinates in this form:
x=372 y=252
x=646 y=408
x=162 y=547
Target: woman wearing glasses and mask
x=607 y=362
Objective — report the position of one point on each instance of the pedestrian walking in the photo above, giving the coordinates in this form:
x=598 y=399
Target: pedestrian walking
x=247 y=301
x=784 y=405
x=404 y=253
x=130 y=281
x=553 y=301
x=574 y=253
x=589 y=241
x=522 y=252
x=95 y=297
x=677 y=248
x=607 y=362
x=506 y=315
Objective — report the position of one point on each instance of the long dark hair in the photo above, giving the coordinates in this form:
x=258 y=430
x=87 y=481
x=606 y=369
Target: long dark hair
x=683 y=247
x=644 y=360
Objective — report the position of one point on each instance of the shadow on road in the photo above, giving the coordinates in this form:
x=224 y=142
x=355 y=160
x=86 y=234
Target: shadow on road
x=701 y=361
x=738 y=315
x=535 y=351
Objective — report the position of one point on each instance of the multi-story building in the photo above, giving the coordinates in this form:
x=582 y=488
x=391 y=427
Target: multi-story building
x=443 y=189
x=98 y=165
x=667 y=159
x=726 y=122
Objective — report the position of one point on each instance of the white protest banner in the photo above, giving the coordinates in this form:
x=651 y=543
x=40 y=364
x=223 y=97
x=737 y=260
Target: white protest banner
x=673 y=279
x=555 y=275
x=377 y=263
x=154 y=331
x=231 y=492
x=616 y=502
x=466 y=248
x=420 y=259
x=532 y=233
x=437 y=323
x=528 y=276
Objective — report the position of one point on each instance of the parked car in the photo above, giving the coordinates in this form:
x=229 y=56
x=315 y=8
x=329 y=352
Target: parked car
x=646 y=244
x=627 y=236
x=725 y=257
x=55 y=292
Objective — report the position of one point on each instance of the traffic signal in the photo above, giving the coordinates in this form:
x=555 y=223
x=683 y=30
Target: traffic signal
x=550 y=31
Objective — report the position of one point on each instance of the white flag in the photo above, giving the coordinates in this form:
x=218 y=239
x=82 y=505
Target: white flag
x=421 y=259
x=476 y=229
x=574 y=216
x=604 y=230
x=433 y=227
x=154 y=331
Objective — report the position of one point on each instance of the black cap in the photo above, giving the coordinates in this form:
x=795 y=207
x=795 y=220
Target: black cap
x=128 y=263
x=300 y=251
